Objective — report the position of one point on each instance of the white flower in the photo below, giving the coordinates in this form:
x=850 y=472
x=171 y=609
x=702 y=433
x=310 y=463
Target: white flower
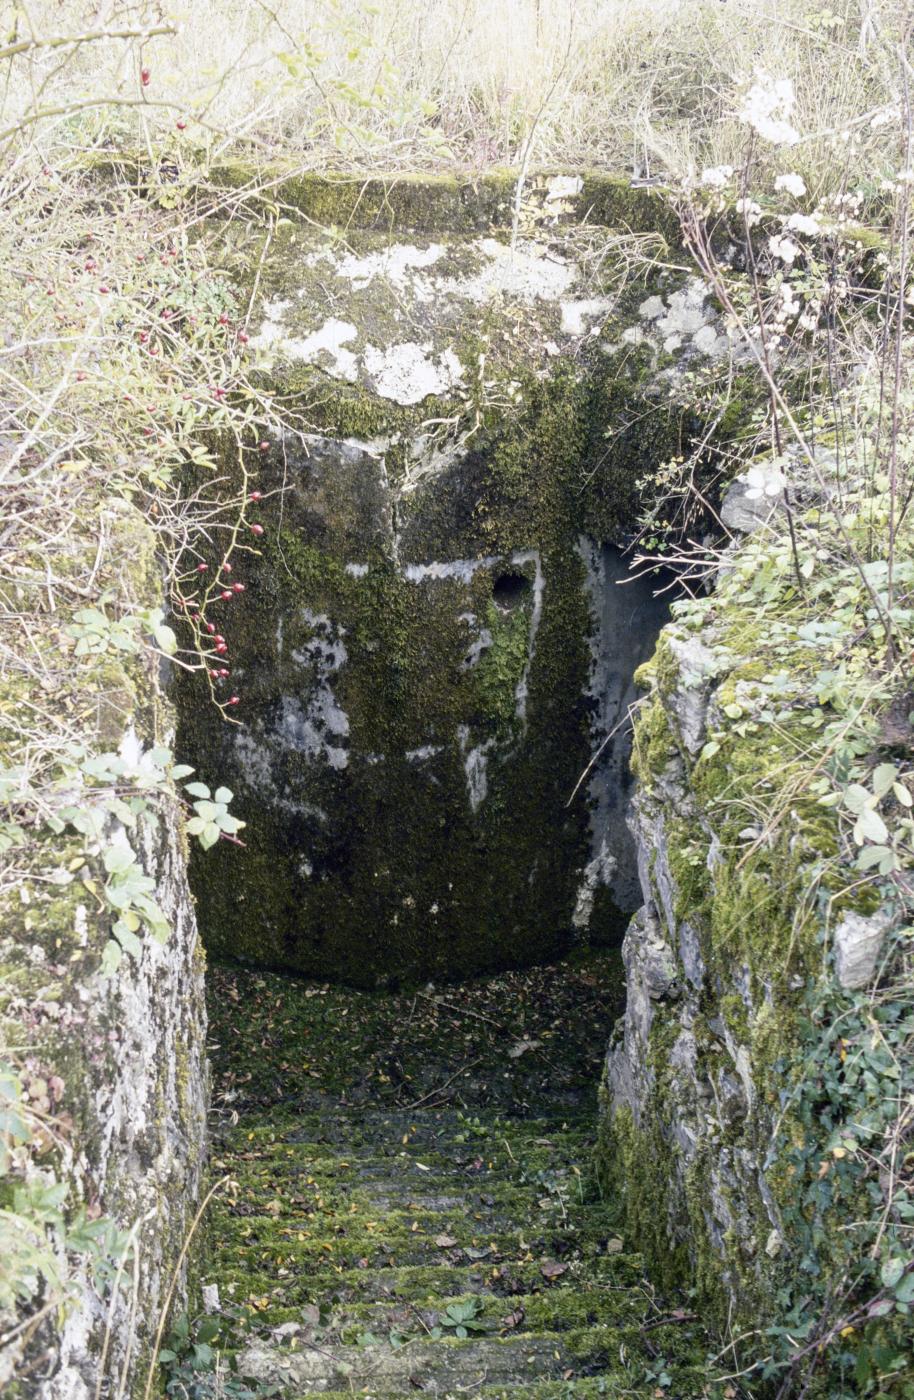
x=766 y=107
x=886 y=117
x=803 y=223
x=789 y=304
x=716 y=177
x=783 y=248
x=752 y=211
x=763 y=482
x=793 y=184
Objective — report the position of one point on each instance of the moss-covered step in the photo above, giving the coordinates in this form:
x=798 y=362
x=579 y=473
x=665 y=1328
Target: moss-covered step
x=442 y=1366
x=344 y=1263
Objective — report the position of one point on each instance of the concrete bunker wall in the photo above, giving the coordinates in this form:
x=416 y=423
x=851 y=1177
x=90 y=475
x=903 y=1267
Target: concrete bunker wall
x=432 y=646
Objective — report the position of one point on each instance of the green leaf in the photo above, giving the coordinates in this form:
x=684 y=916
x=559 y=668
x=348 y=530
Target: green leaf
x=891 y=1272
x=209 y=835
x=111 y=957
x=197 y=789
x=118 y=858
x=856 y=798
x=883 y=778
x=166 y=640
x=870 y=827
x=127 y=939
x=223 y=794
x=181 y=770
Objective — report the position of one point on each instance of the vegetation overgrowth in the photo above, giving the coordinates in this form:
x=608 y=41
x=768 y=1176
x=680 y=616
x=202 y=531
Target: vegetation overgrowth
x=783 y=127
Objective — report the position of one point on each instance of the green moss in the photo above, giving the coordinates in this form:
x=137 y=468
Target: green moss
x=653 y=743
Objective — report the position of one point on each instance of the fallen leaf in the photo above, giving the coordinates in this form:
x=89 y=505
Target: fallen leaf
x=615 y=1246
x=445 y=1241
x=553 y=1270
x=520 y=1047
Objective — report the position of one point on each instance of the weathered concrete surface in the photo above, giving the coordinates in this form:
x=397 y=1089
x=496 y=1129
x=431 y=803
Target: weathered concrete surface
x=116 y=1061
x=432 y=642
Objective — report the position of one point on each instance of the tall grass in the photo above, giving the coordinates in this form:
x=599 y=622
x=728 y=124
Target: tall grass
x=646 y=87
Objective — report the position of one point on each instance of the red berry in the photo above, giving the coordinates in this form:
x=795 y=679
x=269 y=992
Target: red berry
x=90 y=264
x=143 y=337
x=223 y=319
x=243 y=338
x=234 y=700
x=263 y=447
x=219 y=637
x=221 y=648
x=256 y=529
x=238 y=587
x=226 y=594
x=226 y=567
x=224 y=671
x=218 y=393
x=104 y=289
x=80 y=375
x=256 y=496
x=153 y=349
x=181 y=125
x=147 y=432
x=145 y=75
x=211 y=627
x=202 y=568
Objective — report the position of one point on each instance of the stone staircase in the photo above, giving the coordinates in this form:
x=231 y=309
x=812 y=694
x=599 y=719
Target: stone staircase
x=409 y=1205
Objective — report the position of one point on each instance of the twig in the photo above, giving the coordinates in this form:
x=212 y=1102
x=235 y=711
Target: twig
x=440 y=1088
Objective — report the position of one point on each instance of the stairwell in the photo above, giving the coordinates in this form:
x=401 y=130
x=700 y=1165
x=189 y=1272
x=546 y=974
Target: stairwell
x=409 y=1204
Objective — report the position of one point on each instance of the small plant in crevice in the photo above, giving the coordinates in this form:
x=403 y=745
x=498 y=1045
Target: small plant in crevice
x=459 y=1319
x=195 y=1368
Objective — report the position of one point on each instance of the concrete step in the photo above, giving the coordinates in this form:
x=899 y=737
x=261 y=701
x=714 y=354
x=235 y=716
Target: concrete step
x=438 y=1367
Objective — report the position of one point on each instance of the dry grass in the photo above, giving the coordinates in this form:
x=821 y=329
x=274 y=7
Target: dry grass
x=648 y=86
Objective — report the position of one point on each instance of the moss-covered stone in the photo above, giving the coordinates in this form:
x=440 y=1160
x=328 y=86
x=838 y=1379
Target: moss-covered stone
x=412 y=652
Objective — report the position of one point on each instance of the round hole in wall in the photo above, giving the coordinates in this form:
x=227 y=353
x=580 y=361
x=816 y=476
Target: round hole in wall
x=509 y=589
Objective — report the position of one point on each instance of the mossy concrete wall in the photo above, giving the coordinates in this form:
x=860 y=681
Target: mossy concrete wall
x=115 y=1061
x=429 y=633
x=744 y=895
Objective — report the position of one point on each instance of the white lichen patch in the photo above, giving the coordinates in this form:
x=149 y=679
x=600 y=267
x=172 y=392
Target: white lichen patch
x=394 y=263
x=526 y=272
x=409 y=373
x=324 y=346
x=578 y=316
